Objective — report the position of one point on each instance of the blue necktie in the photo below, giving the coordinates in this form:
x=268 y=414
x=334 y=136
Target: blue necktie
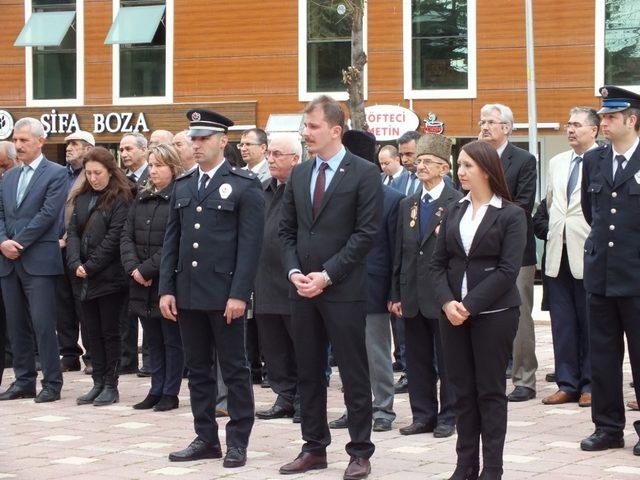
x=573 y=176
x=427 y=206
x=411 y=184
x=22 y=183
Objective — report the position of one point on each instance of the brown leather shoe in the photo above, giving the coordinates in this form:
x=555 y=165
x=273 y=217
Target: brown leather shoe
x=304 y=462
x=633 y=405
x=585 y=399
x=558 y=398
x=358 y=468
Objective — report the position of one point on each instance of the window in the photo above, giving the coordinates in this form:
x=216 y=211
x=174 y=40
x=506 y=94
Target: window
x=439 y=49
x=143 y=61
x=617 y=44
x=52 y=37
x=324 y=48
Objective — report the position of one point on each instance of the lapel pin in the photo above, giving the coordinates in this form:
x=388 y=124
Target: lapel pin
x=342 y=170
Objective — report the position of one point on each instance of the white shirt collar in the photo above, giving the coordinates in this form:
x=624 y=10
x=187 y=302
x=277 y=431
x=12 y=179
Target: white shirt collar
x=496 y=200
x=33 y=165
x=396 y=175
x=435 y=192
x=501 y=148
x=259 y=166
x=629 y=152
x=574 y=154
x=211 y=172
x=138 y=173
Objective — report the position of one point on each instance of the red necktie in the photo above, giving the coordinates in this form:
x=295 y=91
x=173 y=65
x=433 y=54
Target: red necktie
x=318 y=191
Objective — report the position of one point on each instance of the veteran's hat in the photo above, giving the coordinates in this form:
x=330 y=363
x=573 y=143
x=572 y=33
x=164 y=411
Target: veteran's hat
x=616 y=99
x=203 y=123
x=434 y=144
x=360 y=143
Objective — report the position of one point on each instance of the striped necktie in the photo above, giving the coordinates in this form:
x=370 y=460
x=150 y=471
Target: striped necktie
x=25 y=176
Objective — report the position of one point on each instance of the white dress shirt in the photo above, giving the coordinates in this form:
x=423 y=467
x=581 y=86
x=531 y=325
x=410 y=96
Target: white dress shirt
x=501 y=148
x=626 y=154
x=395 y=176
x=434 y=193
x=138 y=173
x=211 y=173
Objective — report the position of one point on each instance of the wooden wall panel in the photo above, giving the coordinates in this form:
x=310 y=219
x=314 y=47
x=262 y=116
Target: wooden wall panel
x=12 y=81
x=97 y=56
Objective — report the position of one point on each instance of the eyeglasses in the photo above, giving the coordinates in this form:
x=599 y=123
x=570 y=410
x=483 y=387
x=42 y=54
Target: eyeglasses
x=569 y=125
x=490 y=123
x=428 y=162
x=241 y=145
x=276 y=154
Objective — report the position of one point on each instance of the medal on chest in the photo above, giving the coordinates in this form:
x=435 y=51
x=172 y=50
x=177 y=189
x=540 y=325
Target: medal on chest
x=414 y=215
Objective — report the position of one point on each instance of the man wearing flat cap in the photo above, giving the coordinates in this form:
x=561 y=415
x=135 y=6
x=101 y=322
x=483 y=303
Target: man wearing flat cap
x=209 y=260
x=412 y=296
x=611 y=205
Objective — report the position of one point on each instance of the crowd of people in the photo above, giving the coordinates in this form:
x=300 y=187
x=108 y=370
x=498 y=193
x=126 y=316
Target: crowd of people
x=374 y=260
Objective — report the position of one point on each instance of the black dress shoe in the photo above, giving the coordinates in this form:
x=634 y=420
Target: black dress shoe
x=550 y=377
x=70 y=365
x=339 y=423
x=304 y=462
x=402 y=385
x=636 y=447
x=128 y=370
x=14 y=393
x=600 y=440
x=397 y=367
x=47 y=395
x=265 y=383
x=465 y=473
x=108 y=396
x=197 y=450
x=166 y=403
x=381 y=425
x=443 y=430
x=143 y=372
x=235 y=457
x=92 y=394
x=416 y=428
x=521 y=394
x=276 y=411
x=297 y=417
x=149 y=402
x=491 y=474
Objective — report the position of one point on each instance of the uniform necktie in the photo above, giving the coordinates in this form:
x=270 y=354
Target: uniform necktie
x=22 y=183
x=390 y=181
x=426 y=211
x=573 y=176
x=203 y=185
x=411 y=185
x=620 y=159
x=132 y=177
x=318 y=190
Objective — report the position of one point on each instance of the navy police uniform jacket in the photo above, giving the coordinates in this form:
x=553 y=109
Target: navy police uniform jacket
x=212 y=244
x=612 y=249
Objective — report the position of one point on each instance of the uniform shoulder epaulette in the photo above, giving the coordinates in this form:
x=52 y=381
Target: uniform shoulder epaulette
x=186 y=175
x=241 y=172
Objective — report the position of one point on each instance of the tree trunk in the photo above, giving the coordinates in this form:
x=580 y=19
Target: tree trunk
x=352 y=76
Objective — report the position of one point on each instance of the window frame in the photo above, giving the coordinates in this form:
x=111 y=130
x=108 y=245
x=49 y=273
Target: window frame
x=304 y=95
x=599 y=46
x=407 y=53
x=115 y=55
x=28 y=64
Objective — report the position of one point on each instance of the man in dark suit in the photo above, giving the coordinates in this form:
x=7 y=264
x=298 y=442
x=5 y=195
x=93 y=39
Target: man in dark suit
x=272 y=304
x=413 y=293
x=331 y=213
x=393 y=174
x=31 y=199
x=520 y=170
x=209 y=261
x=611 y=205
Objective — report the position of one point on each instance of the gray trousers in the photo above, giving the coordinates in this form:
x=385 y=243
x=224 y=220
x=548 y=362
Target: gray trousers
x=378 y=342
x=525 y=362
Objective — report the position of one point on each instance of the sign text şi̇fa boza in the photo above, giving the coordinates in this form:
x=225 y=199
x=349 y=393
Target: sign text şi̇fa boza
x=113 y=122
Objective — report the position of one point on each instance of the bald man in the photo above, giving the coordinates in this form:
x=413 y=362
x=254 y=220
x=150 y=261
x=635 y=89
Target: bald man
x=160 y=136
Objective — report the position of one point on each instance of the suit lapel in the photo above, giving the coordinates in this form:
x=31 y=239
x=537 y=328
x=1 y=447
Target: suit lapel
x=606 y=160
x=632 y=167
x=34 y=178
x=457 y=215
x=335 y=181
x=307 y=172
x=506 y=157
x=444 y=199
x=488 y=220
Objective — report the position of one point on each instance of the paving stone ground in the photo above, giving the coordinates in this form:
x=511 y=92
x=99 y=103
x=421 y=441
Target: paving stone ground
x=61 y=440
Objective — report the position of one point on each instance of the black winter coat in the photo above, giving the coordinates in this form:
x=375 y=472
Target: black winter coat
x=93 y=241
x=141 y=247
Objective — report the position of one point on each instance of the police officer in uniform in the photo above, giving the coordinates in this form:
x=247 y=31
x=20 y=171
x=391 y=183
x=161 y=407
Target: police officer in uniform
x=611 y=205
x=209 y=262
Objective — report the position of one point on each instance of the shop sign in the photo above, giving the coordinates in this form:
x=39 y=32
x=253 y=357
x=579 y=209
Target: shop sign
x=431 y=125
x=112 y=122
x=389 y=122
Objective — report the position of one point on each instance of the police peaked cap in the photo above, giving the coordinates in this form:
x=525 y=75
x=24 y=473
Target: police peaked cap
x=616 y=99
x=203 y=123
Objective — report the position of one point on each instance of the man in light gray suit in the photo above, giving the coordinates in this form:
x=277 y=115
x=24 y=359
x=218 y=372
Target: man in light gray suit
x=31 y=200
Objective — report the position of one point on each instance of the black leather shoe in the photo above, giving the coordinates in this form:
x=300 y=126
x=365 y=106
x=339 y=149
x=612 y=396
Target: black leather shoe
x=91 y=395
x=600 y=440
x=491 y=474
x=47 y=395
x=443 y=430
x=465 y=473
x=265 y=383
x=297 y=417
x=235 y=457
x=197 y=450
x=397 y=366
x=339 y=423
x=276 y=411
x=15 y=393
x=636 y=447
x=128 y=370
x=143 y=372
x=402 y=385
x=70 y=365
x=415 y=428
x=166 y=403
x=550 y=377
x=108 y=396
x=149 y=402
x=381 y=425
x=521 y=394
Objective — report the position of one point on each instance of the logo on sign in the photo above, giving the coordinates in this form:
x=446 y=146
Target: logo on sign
x=6 y=124
x=431 y=125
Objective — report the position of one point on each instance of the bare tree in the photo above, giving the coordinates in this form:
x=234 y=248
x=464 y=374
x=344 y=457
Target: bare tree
x=352 y=76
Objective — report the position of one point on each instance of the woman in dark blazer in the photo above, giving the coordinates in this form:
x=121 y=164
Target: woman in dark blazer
x=475 y=265
x=93 y=254
x=141 y=249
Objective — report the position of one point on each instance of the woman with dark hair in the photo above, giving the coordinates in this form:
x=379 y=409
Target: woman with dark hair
x=475 y=265
x=141 y=250
x=93 y=254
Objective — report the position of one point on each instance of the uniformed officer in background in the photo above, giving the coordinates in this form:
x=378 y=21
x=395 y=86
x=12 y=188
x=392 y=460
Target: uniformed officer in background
x=611 y=205
x=209 y=262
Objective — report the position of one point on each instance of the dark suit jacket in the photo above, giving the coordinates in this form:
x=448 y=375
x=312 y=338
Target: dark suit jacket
x=521 y=174
x=340 y=237
x=412 y=280
x=400 y=184
x=611 y=256
x=35 y=223
x=380 y=258
x=493 y=262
